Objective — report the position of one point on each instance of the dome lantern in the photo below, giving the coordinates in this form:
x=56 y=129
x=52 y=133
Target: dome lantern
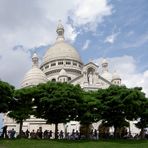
x=61 y=49
x=60 y=31
x=35 y=60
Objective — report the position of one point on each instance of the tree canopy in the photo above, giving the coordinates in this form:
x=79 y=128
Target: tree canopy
x=22 y=105
x=57 y=102
x=6 y=95
x=62 y=102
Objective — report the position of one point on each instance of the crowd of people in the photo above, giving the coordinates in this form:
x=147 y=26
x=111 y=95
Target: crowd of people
x=48 y=134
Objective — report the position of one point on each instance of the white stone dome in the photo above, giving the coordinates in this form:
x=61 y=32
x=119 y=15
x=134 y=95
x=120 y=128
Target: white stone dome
x=61 y=49
x=34 y=76
x=115 y=76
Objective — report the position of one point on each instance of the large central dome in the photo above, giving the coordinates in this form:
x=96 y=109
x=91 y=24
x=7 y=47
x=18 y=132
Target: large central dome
x=61 y=49
x=61 y=56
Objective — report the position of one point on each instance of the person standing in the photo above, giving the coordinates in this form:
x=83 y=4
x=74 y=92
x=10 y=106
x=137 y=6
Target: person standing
x=4 y=132
x=12 y=134
x=27 y=133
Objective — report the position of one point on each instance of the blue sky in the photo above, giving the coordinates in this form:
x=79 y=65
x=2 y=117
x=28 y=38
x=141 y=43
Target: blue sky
x=113 y=29
x=127 y=26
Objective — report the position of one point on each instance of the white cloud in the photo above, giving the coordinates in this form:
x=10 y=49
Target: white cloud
x=91 y=12
x=127 y=68
x=33 y=23
x=14 y=64
x=111 y=38
x=70 y=33
x=86 y=45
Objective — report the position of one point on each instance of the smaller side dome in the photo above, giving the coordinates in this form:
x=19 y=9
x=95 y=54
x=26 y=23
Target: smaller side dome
x=34 y=76
x=116 y=76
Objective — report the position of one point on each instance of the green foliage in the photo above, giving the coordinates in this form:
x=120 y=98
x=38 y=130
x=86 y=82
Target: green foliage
x=89 y=109
x=57 y=102
x=113 y=113
x=143 y=115
x=132 y=102
x=121 y=104
x=61 y=102
x=22 y=105
x=21 y=108
x=6 y=95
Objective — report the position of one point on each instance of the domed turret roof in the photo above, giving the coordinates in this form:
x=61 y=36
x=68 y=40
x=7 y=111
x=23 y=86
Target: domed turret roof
x=115 y=76
x=34 y=76
x=61 y=49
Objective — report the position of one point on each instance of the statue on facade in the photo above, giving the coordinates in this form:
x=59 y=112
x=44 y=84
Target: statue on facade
x=90 y=77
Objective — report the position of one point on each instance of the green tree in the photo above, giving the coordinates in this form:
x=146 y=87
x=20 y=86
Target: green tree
x=143 y=118
x=6 y=95
x=134 y=102
x=57 y=102
x=113 y=113
x=22 y=106
x=138 y=108
x=89 y=111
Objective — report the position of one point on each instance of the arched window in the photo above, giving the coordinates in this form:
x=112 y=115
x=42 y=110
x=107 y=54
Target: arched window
x=53 y=80
x=69 y=78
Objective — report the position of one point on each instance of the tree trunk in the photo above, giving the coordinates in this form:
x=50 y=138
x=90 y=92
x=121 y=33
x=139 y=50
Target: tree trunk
x=129 y=130
x=115 y=131
x=142 y=134
x=87 y=131
x=56 y=131
x=20 y=130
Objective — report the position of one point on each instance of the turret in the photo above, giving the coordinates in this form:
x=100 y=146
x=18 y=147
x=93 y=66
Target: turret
x=116 y=80
x=34 y=76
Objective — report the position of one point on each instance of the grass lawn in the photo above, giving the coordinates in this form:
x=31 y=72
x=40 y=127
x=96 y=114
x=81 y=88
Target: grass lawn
x=24 y=143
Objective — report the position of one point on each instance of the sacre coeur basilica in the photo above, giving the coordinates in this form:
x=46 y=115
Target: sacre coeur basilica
x=62 y=63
